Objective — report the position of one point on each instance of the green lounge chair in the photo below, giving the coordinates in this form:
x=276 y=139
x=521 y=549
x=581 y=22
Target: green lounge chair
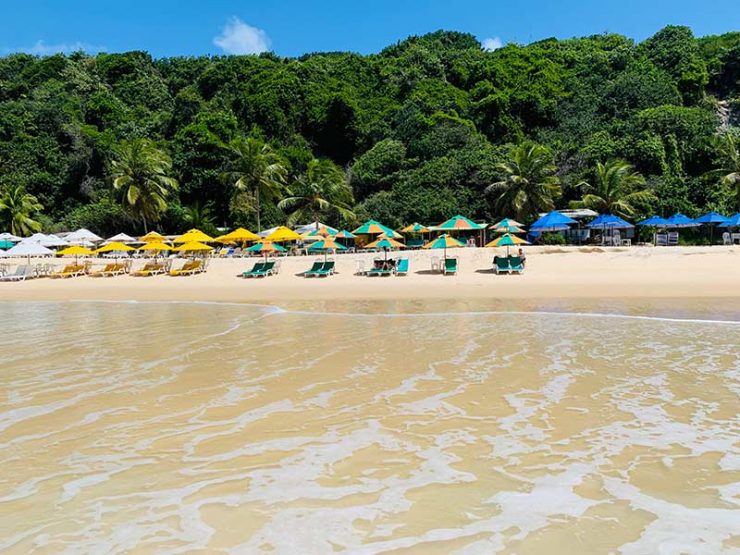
x=502 y=265
x=414 y=243
x=326 y=269
x=450 y=266
x=315 y=268
x=515 y=263
x=402 y=268
x=267 y=270
x=258 y=267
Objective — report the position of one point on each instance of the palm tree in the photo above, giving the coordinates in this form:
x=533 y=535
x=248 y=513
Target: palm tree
x=256 y=169
x=199 y=215
x=143 y=172
x=17 y=208
x=528 y=185
x=614 y=190
x=321 y=190
x=729 y=171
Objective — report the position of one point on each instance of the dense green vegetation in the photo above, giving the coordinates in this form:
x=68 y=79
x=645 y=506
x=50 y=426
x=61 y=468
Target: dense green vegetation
x=427 y=128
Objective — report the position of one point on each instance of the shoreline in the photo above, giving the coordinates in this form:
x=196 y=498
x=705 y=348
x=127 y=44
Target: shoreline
x=552 y=273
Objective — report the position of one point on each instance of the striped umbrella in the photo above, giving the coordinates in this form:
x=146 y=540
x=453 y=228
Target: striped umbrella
x=459 y=223
x=372 y=227
x=443 y=242
x=326 y=245
x=266 y=247
x=507 y=241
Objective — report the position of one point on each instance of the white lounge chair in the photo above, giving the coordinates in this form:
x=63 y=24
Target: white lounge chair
x=673 y=239
x=726 y=238
x=21 y=273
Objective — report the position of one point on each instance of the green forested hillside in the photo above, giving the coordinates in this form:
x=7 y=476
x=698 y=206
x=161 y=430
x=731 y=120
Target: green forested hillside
x=419 y=131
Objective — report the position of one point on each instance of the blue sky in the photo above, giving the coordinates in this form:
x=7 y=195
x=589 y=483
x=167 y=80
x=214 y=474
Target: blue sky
x=293 y=27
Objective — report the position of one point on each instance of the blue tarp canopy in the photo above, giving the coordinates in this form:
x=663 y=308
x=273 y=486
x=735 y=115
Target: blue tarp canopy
x=611 y=221
x=711 y=218
x=732 y=221
x=554 y=221
x=656 y=221
x=679 y=220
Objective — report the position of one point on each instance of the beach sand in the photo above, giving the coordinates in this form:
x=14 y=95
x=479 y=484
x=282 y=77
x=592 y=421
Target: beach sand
x=551 y=273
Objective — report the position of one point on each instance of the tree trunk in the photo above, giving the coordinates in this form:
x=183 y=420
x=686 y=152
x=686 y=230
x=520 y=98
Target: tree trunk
x=257 y=195
x=143 y=219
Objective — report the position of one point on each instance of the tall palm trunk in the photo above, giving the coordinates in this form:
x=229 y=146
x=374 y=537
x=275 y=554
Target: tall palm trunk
x=259 y=224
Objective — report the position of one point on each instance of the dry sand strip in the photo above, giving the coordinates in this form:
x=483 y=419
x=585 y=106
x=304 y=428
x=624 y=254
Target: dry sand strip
x=551 y=273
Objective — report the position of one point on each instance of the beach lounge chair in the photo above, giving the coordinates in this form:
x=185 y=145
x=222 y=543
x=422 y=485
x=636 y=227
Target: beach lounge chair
x=258 y=267
x=380 y=270
x=69 y=271
x=21 y=273
x=402 y=268
x=515 y=265
x=264 y=271
x=311 y=272
x=327 y=269
x=107 y=271
x=150 y=269
x=450 y=267
x=188 y=269
x=502 y=265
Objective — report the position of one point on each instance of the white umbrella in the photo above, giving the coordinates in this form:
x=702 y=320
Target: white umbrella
x=82 y=235
x=122 y=238
x=47 y=240
x=9 y=237
x=29 y=248
x=267 y=232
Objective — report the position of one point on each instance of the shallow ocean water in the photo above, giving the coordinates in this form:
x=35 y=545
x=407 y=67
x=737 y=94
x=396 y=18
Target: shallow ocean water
x=369 y=428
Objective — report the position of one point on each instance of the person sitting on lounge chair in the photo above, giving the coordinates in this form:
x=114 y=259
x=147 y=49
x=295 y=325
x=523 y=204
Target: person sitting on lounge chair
x=523 y=258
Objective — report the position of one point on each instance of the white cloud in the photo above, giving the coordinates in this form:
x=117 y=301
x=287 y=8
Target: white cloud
x=491 y=44
x=43 y=49
x=239 y=38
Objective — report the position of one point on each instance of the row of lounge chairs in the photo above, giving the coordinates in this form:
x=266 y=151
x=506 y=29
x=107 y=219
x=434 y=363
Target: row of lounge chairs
x=320 y=269
x=26 y=271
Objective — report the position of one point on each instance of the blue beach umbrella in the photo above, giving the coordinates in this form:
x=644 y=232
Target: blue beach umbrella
x=732 y=221
x=711 y=219
x=554 y=221
x=655 y=221
x=679 y=220
x=609 y=221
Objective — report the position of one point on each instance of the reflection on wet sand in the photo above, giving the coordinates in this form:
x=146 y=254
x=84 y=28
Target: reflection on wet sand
x=174 y=427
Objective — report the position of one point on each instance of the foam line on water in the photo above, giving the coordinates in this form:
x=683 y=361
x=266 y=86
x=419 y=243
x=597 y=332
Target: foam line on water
x=275 y=309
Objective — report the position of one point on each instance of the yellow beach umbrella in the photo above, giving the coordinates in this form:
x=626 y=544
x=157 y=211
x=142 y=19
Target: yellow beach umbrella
x=115 y=246
x=283 y=234
x=193 y=246
x=239 y=235
x=155 y=246
x=75 y=251
x=151 y=237
x=193 y=235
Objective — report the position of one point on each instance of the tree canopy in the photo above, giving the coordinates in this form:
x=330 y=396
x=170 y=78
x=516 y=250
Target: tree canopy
x=419 y=131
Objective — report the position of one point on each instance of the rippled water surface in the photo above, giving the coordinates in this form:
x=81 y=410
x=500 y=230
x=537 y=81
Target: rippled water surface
x=241 y=429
